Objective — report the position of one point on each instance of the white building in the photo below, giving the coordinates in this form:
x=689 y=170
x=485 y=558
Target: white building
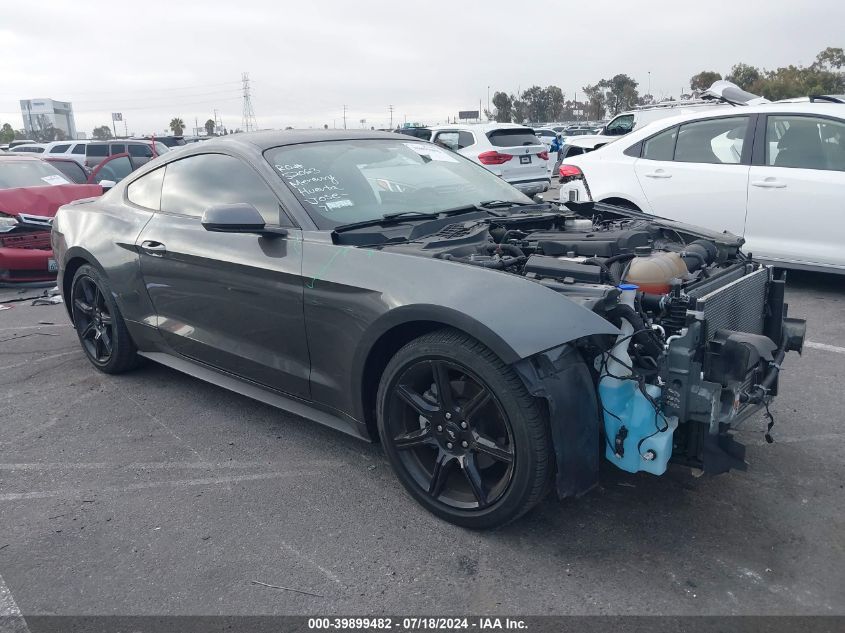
x=39 y=114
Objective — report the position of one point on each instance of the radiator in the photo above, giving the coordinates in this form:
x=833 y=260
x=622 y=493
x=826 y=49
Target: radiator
x=739 y=305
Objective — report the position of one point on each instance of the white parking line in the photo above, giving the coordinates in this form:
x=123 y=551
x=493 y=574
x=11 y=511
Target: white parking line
x=184 y=483
x=825 y=347
x=13 y=621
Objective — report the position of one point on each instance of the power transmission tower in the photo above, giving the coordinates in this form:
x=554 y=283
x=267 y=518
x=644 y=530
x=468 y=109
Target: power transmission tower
x=344 y=116
x=391 y=116
x=248 y=123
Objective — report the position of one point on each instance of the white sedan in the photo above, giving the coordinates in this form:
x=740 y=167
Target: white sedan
x=773 y=173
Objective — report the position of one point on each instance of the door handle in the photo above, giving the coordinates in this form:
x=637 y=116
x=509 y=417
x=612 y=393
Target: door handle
x=658 y=174
x=156 y=249
x=768 y=183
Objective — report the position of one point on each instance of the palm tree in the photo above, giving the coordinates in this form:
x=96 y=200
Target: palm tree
x=177 y=125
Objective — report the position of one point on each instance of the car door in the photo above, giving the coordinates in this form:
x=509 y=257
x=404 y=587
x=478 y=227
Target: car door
x=796 y=193
x=233 y=301
x=697 y=172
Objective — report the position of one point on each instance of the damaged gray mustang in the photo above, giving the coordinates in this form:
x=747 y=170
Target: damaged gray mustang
x=392 y=289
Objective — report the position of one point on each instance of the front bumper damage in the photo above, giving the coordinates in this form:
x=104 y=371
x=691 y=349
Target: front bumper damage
x=718 y=371
x=716 y=377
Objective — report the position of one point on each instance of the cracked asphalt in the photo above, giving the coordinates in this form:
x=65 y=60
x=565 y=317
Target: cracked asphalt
x=154 y=493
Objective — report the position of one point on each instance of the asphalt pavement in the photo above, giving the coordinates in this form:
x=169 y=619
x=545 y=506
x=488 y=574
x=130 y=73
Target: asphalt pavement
x=155 y=493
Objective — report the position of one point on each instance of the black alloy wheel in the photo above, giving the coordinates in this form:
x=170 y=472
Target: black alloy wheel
x=93 y=320
x=461 y=432
x=453 y=437
x=99 y=324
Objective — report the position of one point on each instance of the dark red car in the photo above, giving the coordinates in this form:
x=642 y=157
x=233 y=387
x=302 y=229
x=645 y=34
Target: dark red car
x=31 y=190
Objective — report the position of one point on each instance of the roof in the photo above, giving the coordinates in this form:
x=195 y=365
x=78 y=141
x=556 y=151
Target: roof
x=825 y=109
x=484 y=127
x=591 y=140
x=276 y=138
x=9 y=156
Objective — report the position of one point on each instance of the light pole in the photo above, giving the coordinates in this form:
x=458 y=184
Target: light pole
x=488 y=98
x=649 y=85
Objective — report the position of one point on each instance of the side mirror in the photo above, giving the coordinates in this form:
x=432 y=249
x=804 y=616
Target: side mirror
x=107 y=184
x=237 y=218
x=538 y=198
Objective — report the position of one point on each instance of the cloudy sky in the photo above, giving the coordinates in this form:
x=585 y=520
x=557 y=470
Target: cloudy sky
x=155 y=59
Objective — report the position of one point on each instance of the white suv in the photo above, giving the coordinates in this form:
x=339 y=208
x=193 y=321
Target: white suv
x=512 y=152
x=774 y=174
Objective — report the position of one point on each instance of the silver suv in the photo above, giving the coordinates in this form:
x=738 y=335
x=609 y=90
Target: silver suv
x=139 y=151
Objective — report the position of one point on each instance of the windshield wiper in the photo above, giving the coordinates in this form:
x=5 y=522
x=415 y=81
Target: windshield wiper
x=410 y=214
x=492 y=204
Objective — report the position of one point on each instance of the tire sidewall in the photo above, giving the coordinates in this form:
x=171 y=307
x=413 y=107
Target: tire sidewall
x=509 y=505
x=87 y=270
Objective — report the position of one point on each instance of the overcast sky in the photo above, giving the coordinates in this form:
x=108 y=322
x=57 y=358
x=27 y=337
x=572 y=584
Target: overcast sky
x=155 y=59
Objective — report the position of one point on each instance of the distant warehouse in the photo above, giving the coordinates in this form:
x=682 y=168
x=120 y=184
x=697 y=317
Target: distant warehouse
x=40 y=114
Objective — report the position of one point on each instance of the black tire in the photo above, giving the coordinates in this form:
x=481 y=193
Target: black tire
x=99 y=324
x=498 y=465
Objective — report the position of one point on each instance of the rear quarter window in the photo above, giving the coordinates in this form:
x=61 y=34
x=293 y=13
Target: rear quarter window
x=512 y=137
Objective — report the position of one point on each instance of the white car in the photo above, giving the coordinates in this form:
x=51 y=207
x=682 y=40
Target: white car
x=545 y=134
x=773 y=173
x=72 y=150
x=510 y=151
x=28 y=148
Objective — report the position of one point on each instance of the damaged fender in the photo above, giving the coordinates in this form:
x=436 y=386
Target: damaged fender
x=561 y=378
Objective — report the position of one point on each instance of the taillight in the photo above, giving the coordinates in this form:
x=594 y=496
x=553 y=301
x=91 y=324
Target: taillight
x=493 y=158
x=570 y=171
x=543 y=156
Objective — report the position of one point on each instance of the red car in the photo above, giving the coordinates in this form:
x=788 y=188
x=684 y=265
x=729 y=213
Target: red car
x=31 y=191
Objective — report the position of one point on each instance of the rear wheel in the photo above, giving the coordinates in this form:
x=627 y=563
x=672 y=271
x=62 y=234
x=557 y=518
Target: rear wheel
x=462 y=433
x=99 y=324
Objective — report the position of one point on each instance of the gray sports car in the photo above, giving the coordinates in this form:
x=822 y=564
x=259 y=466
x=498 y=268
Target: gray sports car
x=393 y=290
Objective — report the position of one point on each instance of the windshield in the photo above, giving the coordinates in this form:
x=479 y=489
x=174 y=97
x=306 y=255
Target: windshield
x=29 y=173
x=340 y=182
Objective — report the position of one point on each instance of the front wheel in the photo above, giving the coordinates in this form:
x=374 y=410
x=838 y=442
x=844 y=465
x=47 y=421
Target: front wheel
x=461 y=432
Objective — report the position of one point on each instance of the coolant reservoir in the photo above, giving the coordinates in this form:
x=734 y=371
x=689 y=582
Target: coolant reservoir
x=654 y=272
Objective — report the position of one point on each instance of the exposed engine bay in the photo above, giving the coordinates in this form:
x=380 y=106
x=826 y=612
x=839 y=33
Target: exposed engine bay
x=704 y=328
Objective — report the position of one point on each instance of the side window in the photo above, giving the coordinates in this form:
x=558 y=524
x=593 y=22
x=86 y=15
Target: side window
x=79 y=148
x=140 y=151
x=449 y=140
x=117 y=148
x=72 y=170
x=465 y=139
x=621 y=125
x=662 y=146
x=146 y=191
x=717 y=141
x=193 y=184
x=115 y=169
x=59 y=149
x=805 y=143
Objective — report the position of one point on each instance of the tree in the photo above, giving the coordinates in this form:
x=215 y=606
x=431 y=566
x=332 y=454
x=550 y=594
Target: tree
x=7 y=133
x=503 y=104
x=595 y=106
x=209 y=127
x=177 y=125
x=555 y=102
x=102 y=133
x=744 y=76
x=703 y=80
x=621 y=93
